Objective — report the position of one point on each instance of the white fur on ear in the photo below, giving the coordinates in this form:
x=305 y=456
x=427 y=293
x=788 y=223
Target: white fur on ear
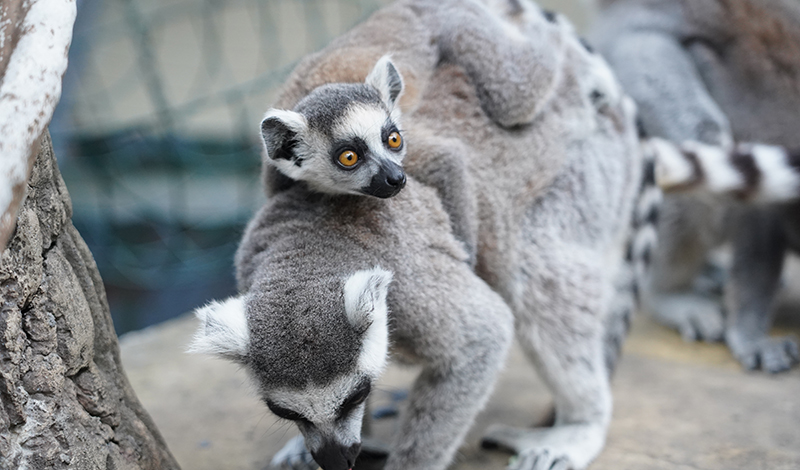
x=223 y=329
x=279 y=129
x=365 y=307
x=290 y=119
x=385 y=78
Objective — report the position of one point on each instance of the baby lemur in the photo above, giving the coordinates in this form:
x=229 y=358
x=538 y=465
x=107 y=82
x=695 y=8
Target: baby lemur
x=717 y=71
x=522 y=167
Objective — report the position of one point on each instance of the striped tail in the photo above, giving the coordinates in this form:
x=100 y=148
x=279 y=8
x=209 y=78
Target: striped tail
x=642 y=241
x=750 y=172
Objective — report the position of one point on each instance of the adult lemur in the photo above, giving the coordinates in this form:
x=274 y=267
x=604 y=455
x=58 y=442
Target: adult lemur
x=522 y=169
x=716 y=71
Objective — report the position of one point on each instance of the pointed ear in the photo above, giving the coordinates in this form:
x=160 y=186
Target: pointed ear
x=365 y=307
x=387 y=80
x=223 y=330
x=280 y=130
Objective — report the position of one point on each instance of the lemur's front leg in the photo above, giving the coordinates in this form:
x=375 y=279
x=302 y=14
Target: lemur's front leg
x=459 y=329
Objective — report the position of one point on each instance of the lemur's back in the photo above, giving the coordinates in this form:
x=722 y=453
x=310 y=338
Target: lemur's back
x=584 y=133
x=754 y=75
x=747 y=52
x=580 y=127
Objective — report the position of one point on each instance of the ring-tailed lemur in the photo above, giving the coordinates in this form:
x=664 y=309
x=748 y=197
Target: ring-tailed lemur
x=544 y=203
x=361 y=150
x=717 y=72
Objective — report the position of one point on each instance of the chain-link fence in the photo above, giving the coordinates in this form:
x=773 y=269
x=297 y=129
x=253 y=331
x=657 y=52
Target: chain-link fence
x=157 y=135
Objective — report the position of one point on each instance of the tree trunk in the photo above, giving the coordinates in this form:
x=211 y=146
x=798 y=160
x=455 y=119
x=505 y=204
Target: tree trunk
x=66 y=402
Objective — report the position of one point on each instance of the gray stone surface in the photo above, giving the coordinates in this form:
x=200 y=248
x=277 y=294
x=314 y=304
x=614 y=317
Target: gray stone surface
x=677 y=405
x=66 y=403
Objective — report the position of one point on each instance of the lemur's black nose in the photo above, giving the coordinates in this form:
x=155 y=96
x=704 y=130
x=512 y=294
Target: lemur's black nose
x=352 y=453
x=398 y=179
x=387 y=181
x=332 y=456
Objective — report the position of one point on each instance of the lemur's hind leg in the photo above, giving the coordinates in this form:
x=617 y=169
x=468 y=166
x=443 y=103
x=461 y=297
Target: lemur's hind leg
x=512 y=53
x=759 y=246
x=561 y=325
x=687 y=231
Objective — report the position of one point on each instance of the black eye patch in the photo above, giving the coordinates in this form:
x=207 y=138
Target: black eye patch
x=356 y=398
x=387 y=129
x=355 y=144
x=286 y=413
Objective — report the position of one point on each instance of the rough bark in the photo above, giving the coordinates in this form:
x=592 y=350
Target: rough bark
x=66 y=402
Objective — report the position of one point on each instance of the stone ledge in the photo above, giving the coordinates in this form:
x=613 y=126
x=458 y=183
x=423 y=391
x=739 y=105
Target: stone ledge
x=678 y=406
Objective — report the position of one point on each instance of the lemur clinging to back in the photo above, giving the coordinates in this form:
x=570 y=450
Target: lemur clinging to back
x=717 y=72
x=536 y=175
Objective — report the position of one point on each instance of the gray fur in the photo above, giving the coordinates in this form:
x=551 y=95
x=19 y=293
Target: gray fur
x=325 y=106
x=713 y=72
x=497 y=227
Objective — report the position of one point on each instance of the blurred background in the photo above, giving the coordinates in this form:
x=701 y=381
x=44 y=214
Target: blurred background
x=157 y=134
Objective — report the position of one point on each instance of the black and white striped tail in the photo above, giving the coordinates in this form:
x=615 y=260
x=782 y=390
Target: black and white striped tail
x=751 y=172
x=645 y=215
x=642 y=241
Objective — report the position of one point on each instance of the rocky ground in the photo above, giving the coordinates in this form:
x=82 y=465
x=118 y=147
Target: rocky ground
x=677 y=405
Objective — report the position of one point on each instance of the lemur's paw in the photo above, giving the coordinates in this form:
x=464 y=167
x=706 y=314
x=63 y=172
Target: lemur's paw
x=702 y=323
x=293 y=456
x=768 y=354
x=696 y=317
x=539 y=459
x=561 y=447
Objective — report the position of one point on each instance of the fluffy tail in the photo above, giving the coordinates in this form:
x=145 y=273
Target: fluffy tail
x=751 y=172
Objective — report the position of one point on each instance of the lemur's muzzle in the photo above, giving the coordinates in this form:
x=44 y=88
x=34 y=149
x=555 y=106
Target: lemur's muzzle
x=389 y=180
x=332 y=456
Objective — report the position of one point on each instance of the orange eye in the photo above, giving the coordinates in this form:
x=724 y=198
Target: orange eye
x=394 y=140
x=348 y=158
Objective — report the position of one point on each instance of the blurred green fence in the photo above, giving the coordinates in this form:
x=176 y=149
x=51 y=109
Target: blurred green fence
x=156 y=135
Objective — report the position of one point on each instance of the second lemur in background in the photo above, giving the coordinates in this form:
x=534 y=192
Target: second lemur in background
x=717 y=72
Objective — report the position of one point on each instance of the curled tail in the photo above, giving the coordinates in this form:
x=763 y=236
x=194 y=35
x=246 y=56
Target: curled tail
x=746 y=171
x=641 y=244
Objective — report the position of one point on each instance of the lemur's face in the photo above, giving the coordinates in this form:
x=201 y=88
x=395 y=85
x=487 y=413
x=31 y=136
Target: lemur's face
x=329 y=417
x=312 y=367
x=342 y=138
